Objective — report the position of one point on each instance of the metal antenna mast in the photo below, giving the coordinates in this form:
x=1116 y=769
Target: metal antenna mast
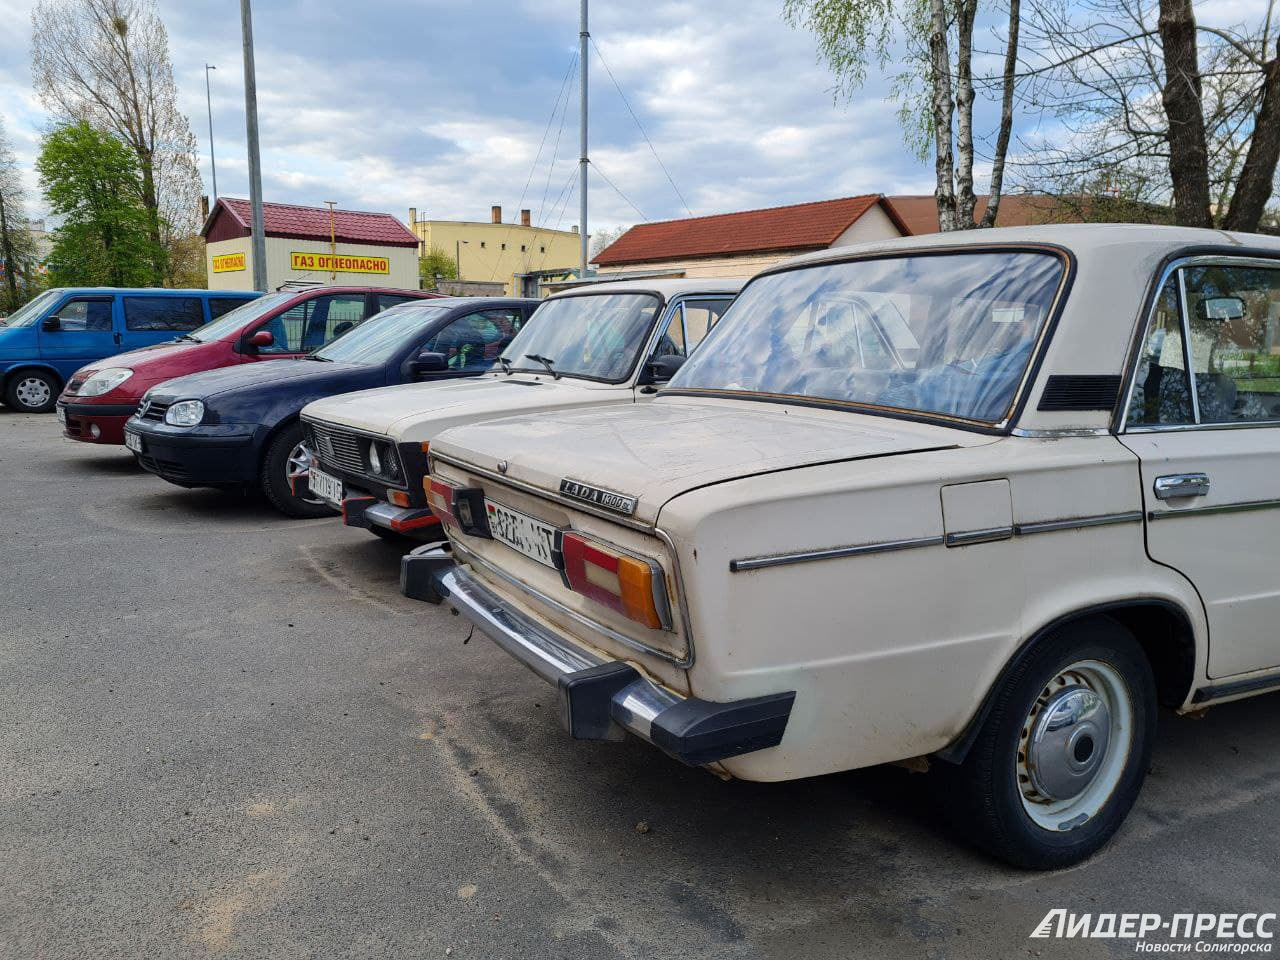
x=584 y=38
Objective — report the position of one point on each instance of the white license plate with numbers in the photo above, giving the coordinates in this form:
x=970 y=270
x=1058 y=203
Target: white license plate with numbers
x=133 y=441
x=325 y=487
x=521 y=532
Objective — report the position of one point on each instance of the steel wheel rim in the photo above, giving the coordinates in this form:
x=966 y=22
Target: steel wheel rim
x=33 y=392
x=1077 y=736
x=298 y=465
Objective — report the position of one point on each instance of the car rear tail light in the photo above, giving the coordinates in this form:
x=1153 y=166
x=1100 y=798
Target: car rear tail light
x=440 y=498
x=634 y=586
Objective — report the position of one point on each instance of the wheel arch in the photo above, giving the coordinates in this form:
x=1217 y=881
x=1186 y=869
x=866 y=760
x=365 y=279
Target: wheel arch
x=269 y=437
x=1162 y=628
x=24 y=365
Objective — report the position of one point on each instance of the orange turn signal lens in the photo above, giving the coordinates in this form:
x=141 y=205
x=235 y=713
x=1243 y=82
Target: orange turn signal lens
x=398 y=497
x=631 y=585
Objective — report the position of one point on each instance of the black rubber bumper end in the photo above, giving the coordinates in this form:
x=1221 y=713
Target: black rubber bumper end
x=418 y=573
x=699 y=732
x=586 y=700
x=353 y=510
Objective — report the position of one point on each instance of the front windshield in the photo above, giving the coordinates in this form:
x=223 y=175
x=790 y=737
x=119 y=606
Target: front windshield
x=596 y=336
x=26 y=315
x=377 y=339
x=233 y=320
x=949 y=335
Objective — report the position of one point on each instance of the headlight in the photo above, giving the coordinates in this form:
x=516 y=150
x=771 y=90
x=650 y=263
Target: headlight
x=375 y=460
x=104 y=381
x=185 y=413
x=383 y=461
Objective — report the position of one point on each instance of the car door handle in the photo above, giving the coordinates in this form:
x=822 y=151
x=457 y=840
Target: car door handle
x=1182 y=485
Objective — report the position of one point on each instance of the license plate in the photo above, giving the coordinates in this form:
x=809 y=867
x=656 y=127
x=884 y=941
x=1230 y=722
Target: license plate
x=133 y=441
x=521 y=532
x=325 y=487
x=62 y=415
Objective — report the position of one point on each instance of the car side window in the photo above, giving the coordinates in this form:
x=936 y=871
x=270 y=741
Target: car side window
x=388 y=300
x=699 y=317
x=475 y=341
x=220 y=305
x=163 y=313
x=1233 y=357
x=1234 y=316
x=85 y=314
x=313 y=323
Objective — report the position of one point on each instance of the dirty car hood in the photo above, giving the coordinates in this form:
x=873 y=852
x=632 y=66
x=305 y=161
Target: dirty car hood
x=656 y=451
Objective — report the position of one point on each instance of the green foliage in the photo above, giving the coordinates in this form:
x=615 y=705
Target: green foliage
x=437 y=263
x=91 y=182
x=850 y=33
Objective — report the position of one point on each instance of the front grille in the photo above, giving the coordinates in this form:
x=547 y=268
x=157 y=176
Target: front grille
x=153 y=410
x=341 y=448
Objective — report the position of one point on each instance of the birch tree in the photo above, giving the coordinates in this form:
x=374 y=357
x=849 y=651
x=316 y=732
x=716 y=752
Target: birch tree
x=107 y=62
x=937 y=88
x=16 y=246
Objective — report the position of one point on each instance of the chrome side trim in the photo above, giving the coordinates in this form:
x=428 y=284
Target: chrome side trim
x=952 y=539
x=1243 y=506
x=466 y=556
x=689 y=648
x=831 y=553
x=1052 y=434
x=966 y=538
x=1076 y=523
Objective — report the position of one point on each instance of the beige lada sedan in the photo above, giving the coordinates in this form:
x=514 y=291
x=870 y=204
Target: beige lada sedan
x=983 y=500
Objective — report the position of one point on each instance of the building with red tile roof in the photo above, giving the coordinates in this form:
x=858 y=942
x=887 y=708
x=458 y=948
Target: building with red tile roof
x=309 y=245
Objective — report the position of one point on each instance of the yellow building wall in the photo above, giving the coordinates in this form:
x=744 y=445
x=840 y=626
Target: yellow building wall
x=498 y=251
x=402 y=264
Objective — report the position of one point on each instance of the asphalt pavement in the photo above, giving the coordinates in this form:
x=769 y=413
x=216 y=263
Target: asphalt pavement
x=226 y=734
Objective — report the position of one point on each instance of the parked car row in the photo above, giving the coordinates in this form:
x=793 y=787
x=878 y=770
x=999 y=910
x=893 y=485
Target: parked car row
x=979 y=503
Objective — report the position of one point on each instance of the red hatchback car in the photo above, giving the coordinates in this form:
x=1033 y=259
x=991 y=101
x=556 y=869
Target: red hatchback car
x=280 y=325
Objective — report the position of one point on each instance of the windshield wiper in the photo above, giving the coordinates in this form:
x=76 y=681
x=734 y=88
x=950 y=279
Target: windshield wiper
x=506 y=365
x=546 y=362
x=316 y=356
x=187 y=336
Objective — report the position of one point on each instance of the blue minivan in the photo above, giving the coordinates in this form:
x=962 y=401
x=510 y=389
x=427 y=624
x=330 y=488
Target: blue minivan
x=60 y=331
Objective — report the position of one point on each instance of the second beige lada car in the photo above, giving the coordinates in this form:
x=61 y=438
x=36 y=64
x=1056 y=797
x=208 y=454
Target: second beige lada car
x=979 y=501
x=607 y=343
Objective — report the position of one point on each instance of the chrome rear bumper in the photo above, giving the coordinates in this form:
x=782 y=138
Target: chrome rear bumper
x=600 y=698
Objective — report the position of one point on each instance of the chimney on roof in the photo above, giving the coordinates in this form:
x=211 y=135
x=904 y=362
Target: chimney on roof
x=525 y=217
x=574 y=228
x=495 y=214
x=413 y=216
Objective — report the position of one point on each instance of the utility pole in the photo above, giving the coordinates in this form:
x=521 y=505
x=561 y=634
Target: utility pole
x=255 y=159
x=208 y=100
x=584 y=40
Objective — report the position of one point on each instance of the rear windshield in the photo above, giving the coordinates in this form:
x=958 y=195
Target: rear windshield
x=229 y=323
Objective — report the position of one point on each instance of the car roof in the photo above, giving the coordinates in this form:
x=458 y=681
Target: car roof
x=1138 y=239
x=664 y=286
x=156 y=291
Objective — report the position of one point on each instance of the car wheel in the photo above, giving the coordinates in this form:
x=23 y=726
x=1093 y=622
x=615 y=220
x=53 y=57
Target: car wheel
x=32 y=391
x=1061 y=758
x=286 y=459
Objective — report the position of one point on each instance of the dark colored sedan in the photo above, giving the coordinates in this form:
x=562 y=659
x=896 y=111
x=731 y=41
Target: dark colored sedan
x=238 y=427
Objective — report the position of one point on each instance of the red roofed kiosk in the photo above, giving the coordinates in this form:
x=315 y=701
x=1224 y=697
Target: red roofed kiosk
x=364 y=249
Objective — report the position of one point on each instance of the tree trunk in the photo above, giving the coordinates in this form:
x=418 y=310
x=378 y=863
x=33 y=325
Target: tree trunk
x=1183 y=105
x=943 y=108
x=1258 y=175
x=965 y=200
x=152 y=205
x=1006 y=116
x=6 y=247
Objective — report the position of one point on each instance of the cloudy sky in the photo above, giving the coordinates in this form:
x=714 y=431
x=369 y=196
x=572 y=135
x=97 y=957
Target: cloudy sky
x=387 y=104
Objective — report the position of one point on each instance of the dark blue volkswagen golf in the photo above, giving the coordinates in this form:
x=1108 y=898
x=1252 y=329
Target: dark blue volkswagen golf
x=238 y=427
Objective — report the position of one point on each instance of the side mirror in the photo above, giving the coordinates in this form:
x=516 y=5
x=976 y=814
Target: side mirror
x=428 y=362
x=662 y=368
x=51 y=323
x=262 y=338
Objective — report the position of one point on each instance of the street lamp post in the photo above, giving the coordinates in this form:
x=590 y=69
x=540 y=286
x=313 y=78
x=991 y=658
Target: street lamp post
x=208 y=100
x=259 y=240
x=457 y=256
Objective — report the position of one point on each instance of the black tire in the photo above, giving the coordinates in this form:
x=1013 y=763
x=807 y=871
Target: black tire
x=32 y=391
x=274 y=477
x=989 y=796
